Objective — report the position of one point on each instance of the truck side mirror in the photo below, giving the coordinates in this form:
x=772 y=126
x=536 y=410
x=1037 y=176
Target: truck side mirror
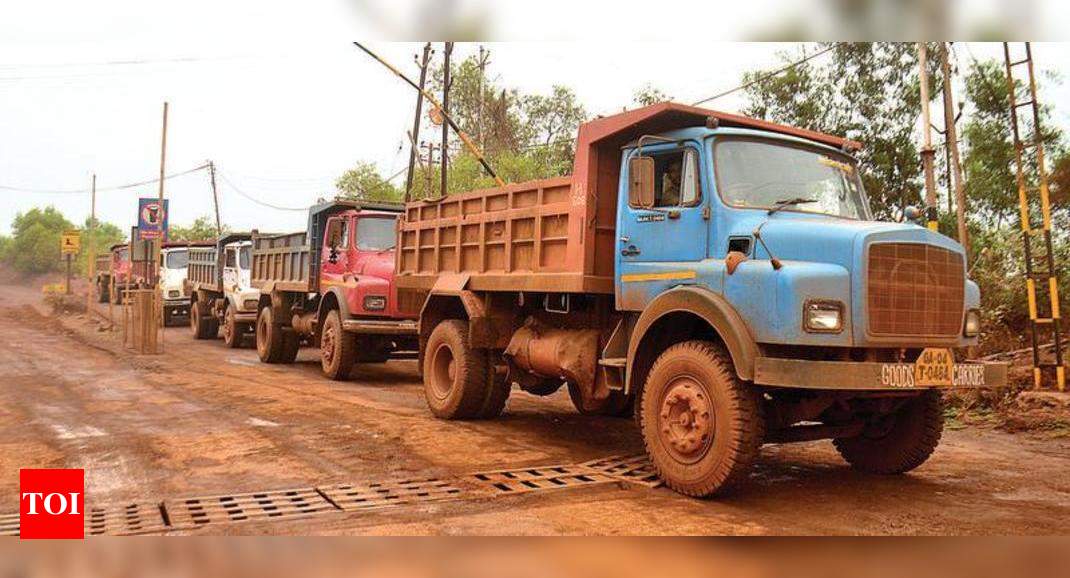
x=641 y=182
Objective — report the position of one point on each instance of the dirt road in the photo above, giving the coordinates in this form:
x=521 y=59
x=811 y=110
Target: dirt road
x=204 y=420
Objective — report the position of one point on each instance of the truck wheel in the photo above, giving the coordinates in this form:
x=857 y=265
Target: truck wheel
x=899 y=442
x=701 y=424
x=269 y=337
x=116 y=295
x=338 y=348
x=616 y=405
x=232 y=332
x=167 y=317
x=498 y=389
x=456 y=376
x=291 y=345
x=203 y=326
x=102 y=293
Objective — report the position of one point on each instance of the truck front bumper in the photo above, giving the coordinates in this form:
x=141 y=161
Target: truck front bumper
x=870 y=376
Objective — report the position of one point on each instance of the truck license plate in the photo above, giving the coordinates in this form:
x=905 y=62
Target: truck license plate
x=934 y=367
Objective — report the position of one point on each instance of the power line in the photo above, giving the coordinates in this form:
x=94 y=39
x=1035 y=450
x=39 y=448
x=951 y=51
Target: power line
x=230 y=184
x=766 y=76
x=101 y=189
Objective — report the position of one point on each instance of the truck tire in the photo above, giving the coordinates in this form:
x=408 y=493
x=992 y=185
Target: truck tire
x=899 y=442
x=269 y=337
x=291 y=345
x=102 y=292
x=702 y=425
x=201 y=323
x=232 y=330
x=498 y=389
x=616 y=405
x=116 y=295
x=457 y=377
x=338 y=347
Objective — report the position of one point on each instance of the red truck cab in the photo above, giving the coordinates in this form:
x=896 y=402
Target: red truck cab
x=357 y=256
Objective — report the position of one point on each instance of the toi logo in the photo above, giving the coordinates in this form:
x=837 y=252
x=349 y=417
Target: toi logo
x=51 y=504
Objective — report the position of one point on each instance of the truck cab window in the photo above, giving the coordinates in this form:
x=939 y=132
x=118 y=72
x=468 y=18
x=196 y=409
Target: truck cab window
x=230 y=260
x=337 y=234
x=243 y=257
x=676 y=179
x=376 y=234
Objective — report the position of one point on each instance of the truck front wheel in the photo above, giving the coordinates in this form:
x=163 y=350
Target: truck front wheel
x=701 y=424
x=232 y=331
x=201 y=323
x=338 y=348
x=900 y=441
x=272 y=343
x=459 y=380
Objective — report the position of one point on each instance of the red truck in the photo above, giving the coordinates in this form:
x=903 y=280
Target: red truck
x=332 y=286
x=114 y=274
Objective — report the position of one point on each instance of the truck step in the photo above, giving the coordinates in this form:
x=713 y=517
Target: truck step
x=380 y=326
x=613 y=361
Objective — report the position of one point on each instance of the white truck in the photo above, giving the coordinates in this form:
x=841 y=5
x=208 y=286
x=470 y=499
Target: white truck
x=174 y=258
x=220 y=292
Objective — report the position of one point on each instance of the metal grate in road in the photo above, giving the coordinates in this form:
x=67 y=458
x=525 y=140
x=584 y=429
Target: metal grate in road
x=635 y=469
x=353 y=497
x=539 y=478
x=275 y=505
x=139 y=518
x=9 y=524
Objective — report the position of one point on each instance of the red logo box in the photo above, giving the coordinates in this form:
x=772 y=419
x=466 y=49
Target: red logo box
x=51 y=504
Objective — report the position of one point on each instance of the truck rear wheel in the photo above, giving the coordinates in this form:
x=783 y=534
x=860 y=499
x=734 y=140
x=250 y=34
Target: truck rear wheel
x=701 y=424
x=232 y=331
x=898 y=442
x=459 y=380
x=338 y=347
x=202 y=325
x=273 y=343
x=102 y=292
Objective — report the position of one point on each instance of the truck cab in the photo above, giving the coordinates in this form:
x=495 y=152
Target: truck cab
x=236 y=283
x=174 y=264
x=357 y=256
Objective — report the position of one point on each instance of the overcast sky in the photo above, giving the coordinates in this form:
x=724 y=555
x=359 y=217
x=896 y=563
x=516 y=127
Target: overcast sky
x=279 y=99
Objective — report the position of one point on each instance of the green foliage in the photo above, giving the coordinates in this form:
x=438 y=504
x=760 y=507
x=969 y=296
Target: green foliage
x=648 y=95
x=34 y=246
x=202 y=229
x=363 y=181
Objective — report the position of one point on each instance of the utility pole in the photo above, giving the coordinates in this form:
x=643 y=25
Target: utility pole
x=444 y=151
x=154 y=267
x=427 y=173
x=215 y=198
x=952 y=143
x=415 y=134
x=927 y=151
x=484 y=56
x=91 y=257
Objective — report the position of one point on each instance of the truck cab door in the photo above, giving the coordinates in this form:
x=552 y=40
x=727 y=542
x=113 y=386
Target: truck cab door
x=660 y=242
x=334 y=261
x=231 y=278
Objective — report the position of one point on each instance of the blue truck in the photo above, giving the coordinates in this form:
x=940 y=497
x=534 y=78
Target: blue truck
x=720 y=278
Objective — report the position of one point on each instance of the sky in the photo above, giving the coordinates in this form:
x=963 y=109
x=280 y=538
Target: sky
x=283 y=103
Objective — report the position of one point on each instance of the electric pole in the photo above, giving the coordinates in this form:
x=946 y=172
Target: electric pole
x=415 y=134
x=952 y=143
x=215 y=198
x=927 y=151
x=427 y=174
x=484 y=58
x=91 y=257
x=154 y=267
x=444 y=151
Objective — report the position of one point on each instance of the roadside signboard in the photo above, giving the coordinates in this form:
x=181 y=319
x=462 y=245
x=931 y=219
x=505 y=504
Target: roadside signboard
x=151 y=219
x=70 y=242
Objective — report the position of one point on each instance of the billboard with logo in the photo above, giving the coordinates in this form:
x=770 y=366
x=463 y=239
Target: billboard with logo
x=151 y=219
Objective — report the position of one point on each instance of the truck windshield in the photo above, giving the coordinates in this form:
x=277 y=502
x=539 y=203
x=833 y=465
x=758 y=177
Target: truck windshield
x=376 y=234
x=177 y=259
x=760 y=174
x=243 y=257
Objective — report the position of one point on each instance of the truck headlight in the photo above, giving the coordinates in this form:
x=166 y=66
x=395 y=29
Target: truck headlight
x=823 y=316
x=972 y=326
x=374 y=303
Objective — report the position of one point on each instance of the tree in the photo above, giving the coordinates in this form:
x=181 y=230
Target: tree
x=202 y=229
x=104 y=235
x=648 y=95
x=864 y=91
x=363 y=181
x=34 y=246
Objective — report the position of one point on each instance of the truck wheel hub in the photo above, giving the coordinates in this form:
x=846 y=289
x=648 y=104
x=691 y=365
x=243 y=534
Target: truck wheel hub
x=686 y=419
x=328 y=345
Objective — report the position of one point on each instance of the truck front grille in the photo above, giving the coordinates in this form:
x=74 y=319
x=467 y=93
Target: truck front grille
x=915 y=290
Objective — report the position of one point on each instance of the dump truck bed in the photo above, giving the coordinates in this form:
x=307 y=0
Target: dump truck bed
x=282 y=262
x=203 y=272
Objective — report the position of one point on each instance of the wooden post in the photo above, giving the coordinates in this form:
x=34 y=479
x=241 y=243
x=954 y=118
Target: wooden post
x=68 y=288
x=952 y=142
x=154 y=267
x=415 y=135
x=927 y=151
x=215 y=199
x=444 y=151
x=91 y=256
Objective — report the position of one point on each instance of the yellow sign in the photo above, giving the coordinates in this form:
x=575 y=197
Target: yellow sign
x=934 y=367
x=70 y=242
